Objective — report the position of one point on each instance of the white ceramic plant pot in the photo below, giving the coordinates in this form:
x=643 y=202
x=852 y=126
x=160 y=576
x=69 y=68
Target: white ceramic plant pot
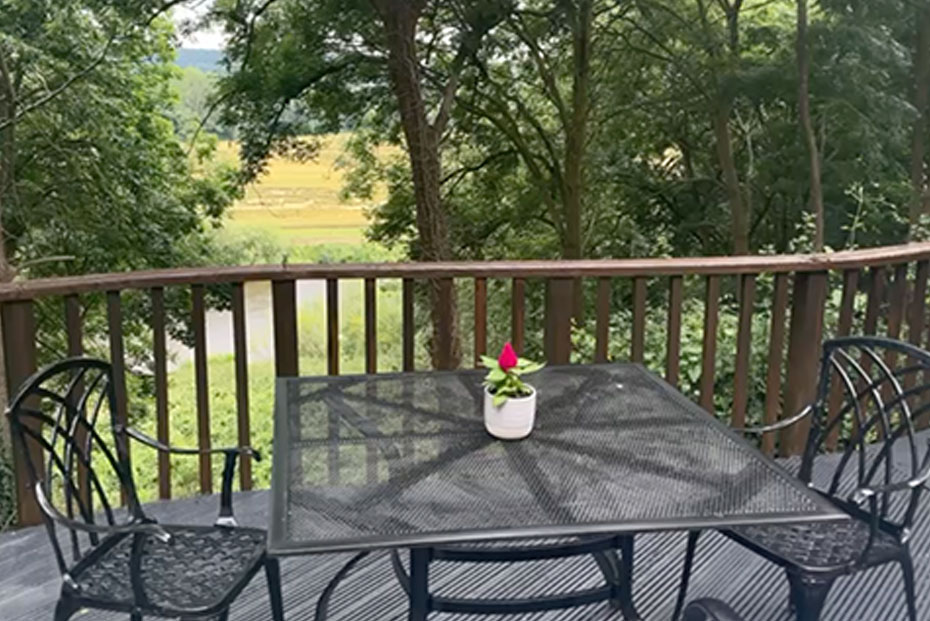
x=513 y=420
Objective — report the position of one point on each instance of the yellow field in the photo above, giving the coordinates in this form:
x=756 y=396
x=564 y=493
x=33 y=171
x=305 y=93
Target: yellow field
x=299 y=203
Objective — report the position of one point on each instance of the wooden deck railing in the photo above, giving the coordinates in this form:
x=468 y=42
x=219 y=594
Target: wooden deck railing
x=893 y=279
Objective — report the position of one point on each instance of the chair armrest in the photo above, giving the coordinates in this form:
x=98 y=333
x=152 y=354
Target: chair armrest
x=225 y=517
x=782 y=424
x=863 y=494
x=148 y=440
x=141 y=528
x=709 y=610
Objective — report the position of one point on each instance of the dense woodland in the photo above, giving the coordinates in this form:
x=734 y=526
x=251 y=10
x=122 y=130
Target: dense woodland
x=527 y=129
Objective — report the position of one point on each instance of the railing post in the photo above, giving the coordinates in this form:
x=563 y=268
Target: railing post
x=602 y=330
x=160 y=355
x=198 y=320
x=673 y=331
x=709 y=346
x=517 y=314
x=409 y=330
x=445 y=297
x=118 y=360
x=743 y=350
x=804 y=343
x=19 y=349
x=773 y=384
x=559 y=320
x=481 y=319
x=284 y=309
x=332 y=326
x=241 y=355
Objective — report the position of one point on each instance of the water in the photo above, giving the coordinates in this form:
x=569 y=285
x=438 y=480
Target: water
x=258 y=321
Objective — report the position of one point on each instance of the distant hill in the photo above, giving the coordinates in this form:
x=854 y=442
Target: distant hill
x=205 y=60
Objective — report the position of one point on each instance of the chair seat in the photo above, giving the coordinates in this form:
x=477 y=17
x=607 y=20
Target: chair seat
x=198 y=570
x=823 y=545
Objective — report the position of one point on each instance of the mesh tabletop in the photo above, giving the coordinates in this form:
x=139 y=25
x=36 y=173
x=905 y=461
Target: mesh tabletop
x=392 y=460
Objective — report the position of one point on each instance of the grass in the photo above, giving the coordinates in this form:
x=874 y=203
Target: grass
x=311 y=323
x=299 y=203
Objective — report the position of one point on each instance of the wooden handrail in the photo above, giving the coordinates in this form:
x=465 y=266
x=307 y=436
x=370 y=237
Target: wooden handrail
x=708 y=266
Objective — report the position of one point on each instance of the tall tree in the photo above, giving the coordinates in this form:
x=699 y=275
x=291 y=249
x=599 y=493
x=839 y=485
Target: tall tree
x=336 y=62
x=807 y=124
x=727 y=57
x=536 y=86
x=921 y=76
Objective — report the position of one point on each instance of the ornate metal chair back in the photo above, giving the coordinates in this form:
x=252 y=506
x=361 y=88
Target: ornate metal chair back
x=64 y=421
x=872 y=398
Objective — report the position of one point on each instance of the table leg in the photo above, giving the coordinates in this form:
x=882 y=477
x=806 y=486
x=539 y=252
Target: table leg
x=626 y=579
x=419 y=584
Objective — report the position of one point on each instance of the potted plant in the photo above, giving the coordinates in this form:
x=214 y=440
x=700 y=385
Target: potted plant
x=509 y=402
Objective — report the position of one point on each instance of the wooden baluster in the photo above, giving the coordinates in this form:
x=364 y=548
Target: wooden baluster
x=916 y=319
x=876 y=297
x=445 y=289
x=776 y=348
x=74 y=326
x=517 y=314
x=602 y=331
x=74 y=330
x=743 y=350
x=897 y=301
x=241 y=355
x=332 y=326
x=481 y=319
x=916 y=324
x=559 y=295
x=843 y=328
x=408 y=328
x=19 y=352
x=284 y=312
x=332 y=357
x=805 y=335
x=673 y=331
x=198 y=320
x=371 y=367
x=160 y=355
x=638 y=340
x=709 y=349
x=371 y=326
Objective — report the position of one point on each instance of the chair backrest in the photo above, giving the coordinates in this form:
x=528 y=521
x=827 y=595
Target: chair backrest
x=873 y=396
x=64 y=422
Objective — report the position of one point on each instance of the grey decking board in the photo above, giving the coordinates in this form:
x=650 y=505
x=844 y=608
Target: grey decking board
x=29 y=579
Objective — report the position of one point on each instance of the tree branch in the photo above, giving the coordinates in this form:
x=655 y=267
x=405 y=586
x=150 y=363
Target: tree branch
x=50 y=96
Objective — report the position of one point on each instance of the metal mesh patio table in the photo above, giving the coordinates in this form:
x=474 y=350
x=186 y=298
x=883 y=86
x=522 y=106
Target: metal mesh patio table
x=403 y=461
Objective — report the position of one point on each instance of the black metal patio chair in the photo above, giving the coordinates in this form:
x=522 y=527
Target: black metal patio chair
x=873 y=395
x=710 y=610
x=120 y=559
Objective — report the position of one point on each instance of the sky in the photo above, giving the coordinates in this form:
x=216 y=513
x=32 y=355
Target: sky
x=209 y=39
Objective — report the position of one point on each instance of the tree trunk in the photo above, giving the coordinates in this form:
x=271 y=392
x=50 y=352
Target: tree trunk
x=807 y=126
x=921 y=101
x=739 y=210
x=576 y=145
x=739 y=218
x=400 y=22
x=7 y=160
x=7 y=155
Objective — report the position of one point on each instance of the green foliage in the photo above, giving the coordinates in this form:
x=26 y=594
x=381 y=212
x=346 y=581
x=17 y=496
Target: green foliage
x=93 y=175
x=508 y=383
x=222 y=395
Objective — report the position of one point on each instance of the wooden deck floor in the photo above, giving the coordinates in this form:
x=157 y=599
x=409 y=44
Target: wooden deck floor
x=29 y=581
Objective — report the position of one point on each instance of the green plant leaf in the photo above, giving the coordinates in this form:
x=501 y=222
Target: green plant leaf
x=531 y=367
x=500 y=399
x=495 y=376
x=490 y=362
